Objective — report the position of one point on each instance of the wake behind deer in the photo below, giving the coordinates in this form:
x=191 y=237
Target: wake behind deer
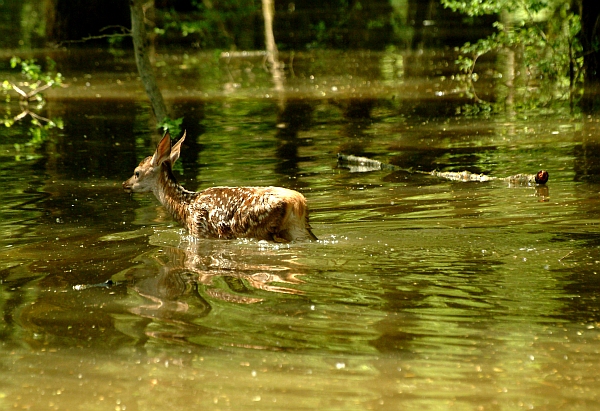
x=264 y=213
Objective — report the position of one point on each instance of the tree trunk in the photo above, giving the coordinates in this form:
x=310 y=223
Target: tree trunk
x=272 y=52
x=142 y=59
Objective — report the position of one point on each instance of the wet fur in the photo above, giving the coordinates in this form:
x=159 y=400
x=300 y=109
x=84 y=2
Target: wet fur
x=265 y=213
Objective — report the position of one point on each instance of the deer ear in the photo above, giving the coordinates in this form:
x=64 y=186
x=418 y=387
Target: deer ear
x=176 y=149
x=163 y=151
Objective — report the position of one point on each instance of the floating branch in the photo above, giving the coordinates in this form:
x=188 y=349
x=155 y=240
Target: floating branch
x=541 y=177
x=27 y=112
x=362 y=164
x=124 y=32
x=34 y=90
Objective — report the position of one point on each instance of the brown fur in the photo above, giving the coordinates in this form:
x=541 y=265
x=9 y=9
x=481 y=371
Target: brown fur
x=265 y=213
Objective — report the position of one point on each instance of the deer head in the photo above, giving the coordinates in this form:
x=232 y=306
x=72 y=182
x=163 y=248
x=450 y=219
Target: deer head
x=146 y=174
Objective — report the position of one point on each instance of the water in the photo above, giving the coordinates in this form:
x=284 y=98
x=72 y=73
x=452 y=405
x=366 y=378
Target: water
x=421 y=293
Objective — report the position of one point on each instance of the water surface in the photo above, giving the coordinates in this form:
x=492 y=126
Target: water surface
x=421 y=293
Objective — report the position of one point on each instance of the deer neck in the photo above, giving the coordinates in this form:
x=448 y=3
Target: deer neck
x=173 y=196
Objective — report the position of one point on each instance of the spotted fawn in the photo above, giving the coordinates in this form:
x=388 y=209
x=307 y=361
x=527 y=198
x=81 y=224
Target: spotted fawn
x=265 y=213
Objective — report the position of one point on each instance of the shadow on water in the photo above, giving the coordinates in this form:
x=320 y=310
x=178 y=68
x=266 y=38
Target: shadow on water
x=295 y=117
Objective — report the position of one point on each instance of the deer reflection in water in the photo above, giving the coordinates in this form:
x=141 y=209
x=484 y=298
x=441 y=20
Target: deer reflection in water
x=181 y=285
x=188 y=276
x=165 y=296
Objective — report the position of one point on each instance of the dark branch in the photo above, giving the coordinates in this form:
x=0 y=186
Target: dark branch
x=125 y=32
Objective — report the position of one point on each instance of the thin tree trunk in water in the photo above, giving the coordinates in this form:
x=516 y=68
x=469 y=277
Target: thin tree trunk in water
x=509 y=68
x=142 y=60
x=272 y=52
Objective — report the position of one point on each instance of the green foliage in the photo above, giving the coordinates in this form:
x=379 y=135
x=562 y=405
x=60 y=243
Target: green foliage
x=36 y=80
x=481 y=7
x=38 y=135
x=239 y=24
x=218 y=23
x=322 y=35
x=538 y=40
x=34 y=72
x=173 y=126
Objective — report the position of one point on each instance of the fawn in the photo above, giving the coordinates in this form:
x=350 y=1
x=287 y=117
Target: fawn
x=265 y=213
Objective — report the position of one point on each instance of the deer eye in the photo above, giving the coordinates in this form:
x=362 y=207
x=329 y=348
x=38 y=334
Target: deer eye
x=137 y=174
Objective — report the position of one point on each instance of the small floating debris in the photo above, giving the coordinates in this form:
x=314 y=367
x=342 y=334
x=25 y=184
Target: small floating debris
x=242 y=54
x=105 y=284
x=358 y=164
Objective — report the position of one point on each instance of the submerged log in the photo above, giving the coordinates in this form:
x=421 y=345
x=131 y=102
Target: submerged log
x=358 y=164
x=363 y=164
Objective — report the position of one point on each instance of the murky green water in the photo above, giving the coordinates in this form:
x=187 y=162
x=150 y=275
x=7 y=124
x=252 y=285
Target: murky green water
x=421 y=294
